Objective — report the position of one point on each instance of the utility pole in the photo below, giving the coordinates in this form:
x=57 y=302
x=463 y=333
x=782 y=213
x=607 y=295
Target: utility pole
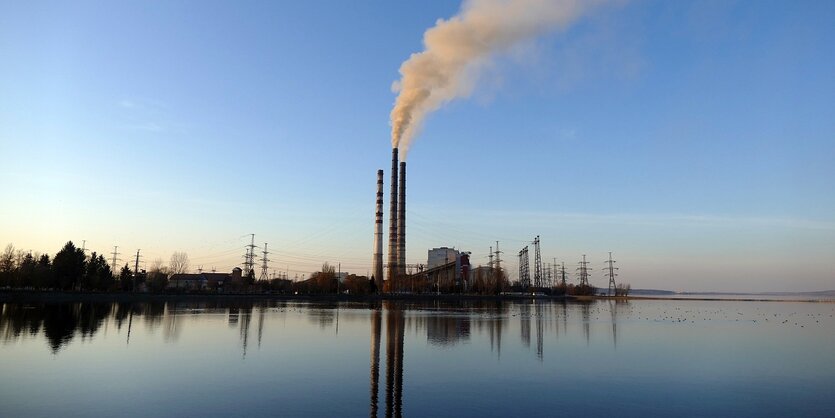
x=338 y=275
x=537 y=264
x=264 y=266
x=136 y=271
x=610 y=264
x=115 y=253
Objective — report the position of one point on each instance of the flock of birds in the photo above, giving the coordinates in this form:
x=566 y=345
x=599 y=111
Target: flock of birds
x=795 y=314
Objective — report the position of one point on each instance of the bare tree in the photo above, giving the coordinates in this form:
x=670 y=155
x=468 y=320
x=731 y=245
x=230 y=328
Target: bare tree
x=158 y=267
x=179 y=262
x=7 y=259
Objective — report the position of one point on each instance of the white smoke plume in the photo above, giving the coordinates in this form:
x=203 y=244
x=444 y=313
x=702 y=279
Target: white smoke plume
x=456 y=48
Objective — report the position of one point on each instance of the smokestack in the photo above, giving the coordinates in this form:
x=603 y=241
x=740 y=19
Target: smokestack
x=393 y=218
x=378 y=233
x=401 y=223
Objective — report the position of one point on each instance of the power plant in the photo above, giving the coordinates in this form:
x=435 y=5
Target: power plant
x=448 y=269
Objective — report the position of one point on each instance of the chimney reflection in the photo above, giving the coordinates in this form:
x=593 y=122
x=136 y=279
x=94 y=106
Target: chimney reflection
x=376 y=319
x=395 y=330
x=395 y=327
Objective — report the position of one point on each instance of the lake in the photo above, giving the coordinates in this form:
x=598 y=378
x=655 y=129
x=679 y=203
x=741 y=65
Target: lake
x=219 y=358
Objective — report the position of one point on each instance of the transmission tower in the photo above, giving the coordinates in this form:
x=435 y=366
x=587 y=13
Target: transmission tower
x=547 y=272
x=490 y=256
x=583 y=271
x=537 y=264
x=562 y=274
x=115 y=258
x=524 y=272
x=610 y=273
x=264 y=266
x=249 y=258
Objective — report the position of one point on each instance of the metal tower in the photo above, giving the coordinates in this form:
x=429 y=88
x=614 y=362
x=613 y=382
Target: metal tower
x=524 y=272
x=547 y=275
x=490 y=256
x=537 y=264
x=116 y=259
x=264 y=266
x=562 y=274
x=610 y=273
x=583 y=270
x=249 y=258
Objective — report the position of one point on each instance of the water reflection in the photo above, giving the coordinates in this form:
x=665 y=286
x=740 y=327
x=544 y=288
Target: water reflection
x=475 y=346
x=446 y=325
x=395 y=327
x=376 y=319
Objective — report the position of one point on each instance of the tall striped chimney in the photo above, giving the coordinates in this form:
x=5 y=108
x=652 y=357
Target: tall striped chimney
x=401 y=223
x=392 y=256
x=378 y=234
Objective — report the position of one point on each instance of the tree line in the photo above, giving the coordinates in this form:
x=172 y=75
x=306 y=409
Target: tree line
x=71 y=269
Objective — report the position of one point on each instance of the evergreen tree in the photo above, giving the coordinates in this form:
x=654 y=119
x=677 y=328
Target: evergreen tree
x=26 y=271
x=126 y=279
x=43 y=273
x=98 y=275
x=68 y=266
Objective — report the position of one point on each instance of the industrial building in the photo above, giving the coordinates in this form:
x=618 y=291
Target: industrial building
x=440 y=256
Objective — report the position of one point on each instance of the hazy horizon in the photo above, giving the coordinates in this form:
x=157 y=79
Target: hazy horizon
x=692 y=139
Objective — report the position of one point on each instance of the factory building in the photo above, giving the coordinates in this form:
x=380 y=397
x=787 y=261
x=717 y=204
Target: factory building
x=440 y=256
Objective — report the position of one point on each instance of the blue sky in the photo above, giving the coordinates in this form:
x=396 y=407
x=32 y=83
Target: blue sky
x=694 y=139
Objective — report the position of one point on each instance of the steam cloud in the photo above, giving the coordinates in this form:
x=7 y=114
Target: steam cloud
x=455 y=50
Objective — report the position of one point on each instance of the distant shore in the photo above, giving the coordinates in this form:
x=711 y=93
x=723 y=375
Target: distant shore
x=65 y=297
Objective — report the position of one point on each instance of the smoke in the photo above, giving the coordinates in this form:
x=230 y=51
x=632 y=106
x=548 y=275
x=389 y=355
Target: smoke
x=456 y=49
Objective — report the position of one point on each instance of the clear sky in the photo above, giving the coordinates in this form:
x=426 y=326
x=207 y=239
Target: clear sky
x=694 y=139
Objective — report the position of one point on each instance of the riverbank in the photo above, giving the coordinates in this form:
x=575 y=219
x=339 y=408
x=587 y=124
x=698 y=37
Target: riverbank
x=66 y=297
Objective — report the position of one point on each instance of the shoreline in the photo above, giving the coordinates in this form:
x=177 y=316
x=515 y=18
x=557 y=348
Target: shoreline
x=66 y=297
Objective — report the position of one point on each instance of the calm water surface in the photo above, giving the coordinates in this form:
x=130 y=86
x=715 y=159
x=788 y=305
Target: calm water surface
x=271 y=358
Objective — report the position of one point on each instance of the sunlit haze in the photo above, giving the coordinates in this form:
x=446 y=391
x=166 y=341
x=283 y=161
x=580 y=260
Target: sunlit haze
x=693 y=139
